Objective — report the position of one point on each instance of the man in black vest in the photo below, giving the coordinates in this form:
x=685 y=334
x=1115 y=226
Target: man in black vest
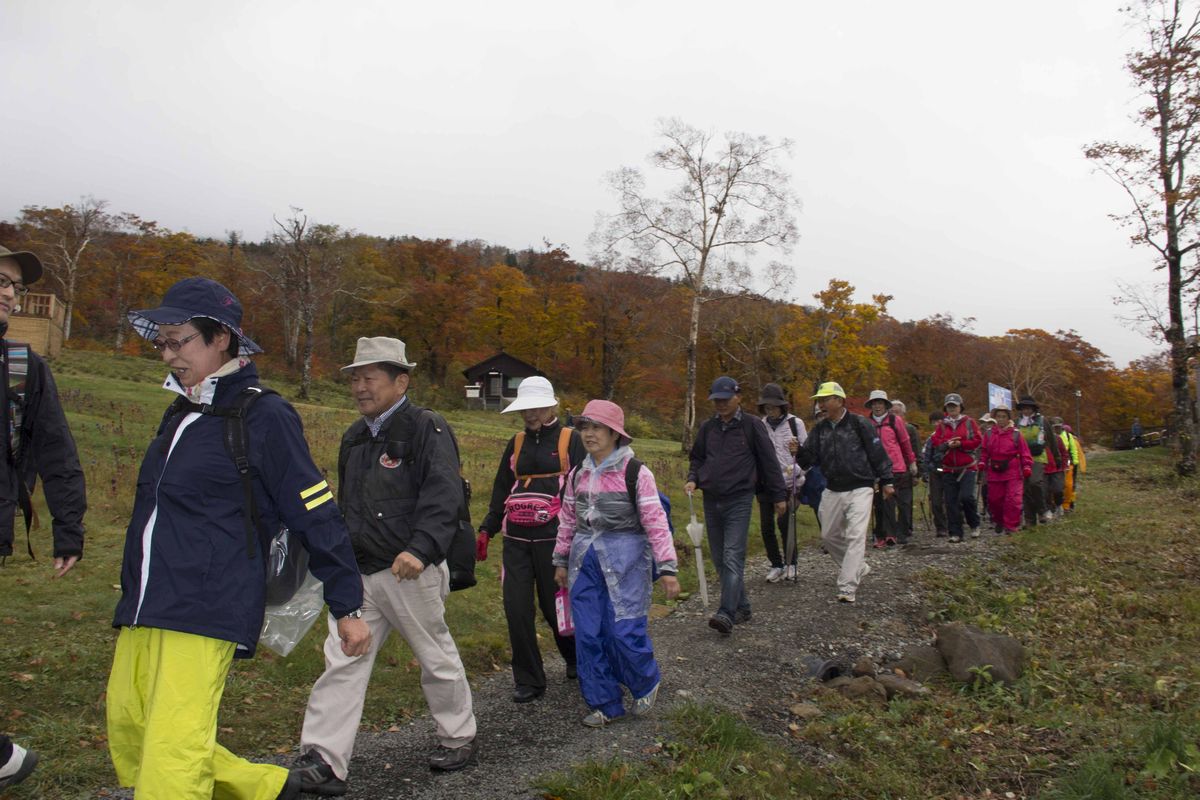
x=40 y=444
x=400 y=491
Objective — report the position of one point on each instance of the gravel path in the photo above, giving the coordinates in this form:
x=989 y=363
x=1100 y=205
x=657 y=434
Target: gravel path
x=751 y=672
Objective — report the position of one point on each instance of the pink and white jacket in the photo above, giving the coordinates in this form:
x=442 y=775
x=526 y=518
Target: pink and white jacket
x=894 y=436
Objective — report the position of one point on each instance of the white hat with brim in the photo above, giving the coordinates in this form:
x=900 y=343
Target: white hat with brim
x=535 y=392
x=379 y=350
x=879 y=394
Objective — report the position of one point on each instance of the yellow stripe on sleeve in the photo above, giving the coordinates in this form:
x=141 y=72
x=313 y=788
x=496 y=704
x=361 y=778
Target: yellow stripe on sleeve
x=311 y=504
x=310 y=491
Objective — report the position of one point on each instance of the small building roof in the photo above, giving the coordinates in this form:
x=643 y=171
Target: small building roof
x=501 y=362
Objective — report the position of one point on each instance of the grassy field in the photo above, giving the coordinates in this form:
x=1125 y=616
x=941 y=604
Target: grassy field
x=59 y=641
x=1108 y=604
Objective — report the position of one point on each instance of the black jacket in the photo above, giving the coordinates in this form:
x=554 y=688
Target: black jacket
x=539 y=456
x=849 y=453
x=46 y=449
x=731 y=458
x=400 y=491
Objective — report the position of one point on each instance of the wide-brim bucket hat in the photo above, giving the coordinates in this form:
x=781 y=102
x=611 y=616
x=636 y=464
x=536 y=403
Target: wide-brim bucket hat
x=608 y=414
x=191 y=298
x=772 y=395
x=379 y=350
x=1029 y=401
x=534 y=392
x=31 y=265
x=878 y=394
x=1003 y=408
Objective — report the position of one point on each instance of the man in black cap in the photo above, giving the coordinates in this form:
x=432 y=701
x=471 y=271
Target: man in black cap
x=732 y=453
x=40 y=444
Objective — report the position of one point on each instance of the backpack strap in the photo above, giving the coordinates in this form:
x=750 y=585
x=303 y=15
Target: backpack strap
x=791 y=420
x=632 y=468
x=564 y=459
x=15 y=357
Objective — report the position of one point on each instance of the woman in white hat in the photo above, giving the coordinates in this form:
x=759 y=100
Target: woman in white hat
x=525 y=501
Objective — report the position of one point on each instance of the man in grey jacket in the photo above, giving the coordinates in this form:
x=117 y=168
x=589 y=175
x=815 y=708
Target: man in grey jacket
x=853 y=460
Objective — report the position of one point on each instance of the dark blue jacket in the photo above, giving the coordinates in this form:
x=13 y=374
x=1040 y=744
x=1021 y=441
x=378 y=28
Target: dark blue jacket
x=199 y=578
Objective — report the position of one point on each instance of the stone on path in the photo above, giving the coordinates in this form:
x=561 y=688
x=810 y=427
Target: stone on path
x=968 y=649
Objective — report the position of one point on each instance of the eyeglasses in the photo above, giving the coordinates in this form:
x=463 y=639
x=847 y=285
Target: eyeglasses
x=172 y=344
x=18 y=287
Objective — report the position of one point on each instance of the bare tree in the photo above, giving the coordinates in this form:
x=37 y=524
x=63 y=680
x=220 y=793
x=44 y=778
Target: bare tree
x=1158 y=178
x=733 y=196
x=64 y=236
x=307 y=271
x=1032 y=366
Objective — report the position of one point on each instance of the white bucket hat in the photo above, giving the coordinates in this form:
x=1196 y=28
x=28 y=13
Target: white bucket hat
x=535 y=392
x=879 y=394
x=379 y=350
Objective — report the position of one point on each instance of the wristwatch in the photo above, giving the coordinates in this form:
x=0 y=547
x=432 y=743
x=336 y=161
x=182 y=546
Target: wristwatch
x=356 y=613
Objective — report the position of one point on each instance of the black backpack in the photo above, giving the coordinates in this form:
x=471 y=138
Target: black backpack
x=287 y=563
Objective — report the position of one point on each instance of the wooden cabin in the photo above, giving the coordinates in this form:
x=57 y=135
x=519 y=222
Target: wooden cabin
x=39 y=323
x=492 y=383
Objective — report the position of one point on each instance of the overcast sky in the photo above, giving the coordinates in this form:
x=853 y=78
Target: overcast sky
x=938 y=144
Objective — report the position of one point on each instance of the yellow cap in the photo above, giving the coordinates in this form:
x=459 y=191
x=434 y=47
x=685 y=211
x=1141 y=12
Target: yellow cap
x=830 y=389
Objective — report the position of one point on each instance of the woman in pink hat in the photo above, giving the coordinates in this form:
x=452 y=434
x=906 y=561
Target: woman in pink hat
x=613 y=535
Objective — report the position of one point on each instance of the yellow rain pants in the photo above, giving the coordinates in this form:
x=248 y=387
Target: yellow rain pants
x=163 y=695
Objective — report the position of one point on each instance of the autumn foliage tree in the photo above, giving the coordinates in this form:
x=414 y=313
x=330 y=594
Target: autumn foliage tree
x=1159 y=177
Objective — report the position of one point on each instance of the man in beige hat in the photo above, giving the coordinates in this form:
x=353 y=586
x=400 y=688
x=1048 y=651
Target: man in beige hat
x=400 y=492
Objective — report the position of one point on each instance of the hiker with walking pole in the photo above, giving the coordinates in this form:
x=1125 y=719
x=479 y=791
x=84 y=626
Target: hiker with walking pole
x=787 y=434
x=853 y=460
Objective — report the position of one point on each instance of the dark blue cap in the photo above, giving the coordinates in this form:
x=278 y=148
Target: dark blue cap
x=191 y=298
x=724 y=388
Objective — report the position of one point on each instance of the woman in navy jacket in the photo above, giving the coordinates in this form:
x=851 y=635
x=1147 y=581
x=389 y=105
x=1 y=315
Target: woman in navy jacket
x=192 y=587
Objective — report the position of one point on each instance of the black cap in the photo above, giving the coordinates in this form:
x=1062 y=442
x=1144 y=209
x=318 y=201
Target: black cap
x=724 y=388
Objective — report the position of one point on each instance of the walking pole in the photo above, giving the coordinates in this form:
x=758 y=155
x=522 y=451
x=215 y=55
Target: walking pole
x=791 y=528
x=696 y=531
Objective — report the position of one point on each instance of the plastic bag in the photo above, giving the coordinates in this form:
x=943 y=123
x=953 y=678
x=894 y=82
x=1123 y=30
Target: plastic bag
x=562 y=608
x=287 y=567
x=285 y=624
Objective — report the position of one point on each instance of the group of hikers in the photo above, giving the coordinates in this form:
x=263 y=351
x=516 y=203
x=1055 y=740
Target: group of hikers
x=587 y=532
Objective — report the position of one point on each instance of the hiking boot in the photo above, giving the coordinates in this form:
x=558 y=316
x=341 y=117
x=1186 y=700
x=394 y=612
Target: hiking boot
x=718 y=622
x=975 y=533
x=845 y=598
x=879 y=544
x=643 y=704
x=527 y=694
x=741 y=616
x=1047 y=517
x=316 y=776
x=890 y=541
x=449 y=759
x=291 y=788
x=18 y=767
x=789 y=573
x=999 y=529
x=955 y=539
x=598 y=719
x=572 y=672
x=774 y=574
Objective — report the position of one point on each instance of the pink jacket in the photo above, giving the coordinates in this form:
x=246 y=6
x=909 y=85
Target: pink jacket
x=1001 y=446
x=894 y=435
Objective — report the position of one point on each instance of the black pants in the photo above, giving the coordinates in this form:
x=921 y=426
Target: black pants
x=6 y=749
x=938 y=503
x=959 y=490
x=768 y=522
x=528 y=568
x=904 y=500
x=893 y=516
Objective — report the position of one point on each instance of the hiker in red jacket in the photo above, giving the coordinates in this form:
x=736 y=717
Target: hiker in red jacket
x=1007 y=461
x=955 y=440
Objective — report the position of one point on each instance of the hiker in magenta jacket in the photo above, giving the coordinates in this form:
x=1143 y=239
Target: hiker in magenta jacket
x=607 y=551
x=1006 y=458
x=955 y=441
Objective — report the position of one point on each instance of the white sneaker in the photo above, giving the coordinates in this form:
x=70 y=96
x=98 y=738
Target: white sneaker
x=845 y=598
x=863 y=572
x=789 y=574
x=974 y=533
x=955 y=539
x=774 y=574
x=18 y=767
x=643 y=704
x=596 y=719
x=1047 y=517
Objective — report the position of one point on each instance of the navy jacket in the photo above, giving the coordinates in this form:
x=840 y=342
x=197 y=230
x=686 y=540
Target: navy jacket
x=730 y=459
x=199 y=578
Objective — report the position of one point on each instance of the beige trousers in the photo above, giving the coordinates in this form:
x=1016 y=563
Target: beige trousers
x=845 y=517
x=416 y=609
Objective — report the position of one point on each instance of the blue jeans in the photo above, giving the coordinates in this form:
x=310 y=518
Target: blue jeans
x=727 y=519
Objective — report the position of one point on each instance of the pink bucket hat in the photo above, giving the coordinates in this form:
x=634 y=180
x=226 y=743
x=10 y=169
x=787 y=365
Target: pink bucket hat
x=608 y=414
